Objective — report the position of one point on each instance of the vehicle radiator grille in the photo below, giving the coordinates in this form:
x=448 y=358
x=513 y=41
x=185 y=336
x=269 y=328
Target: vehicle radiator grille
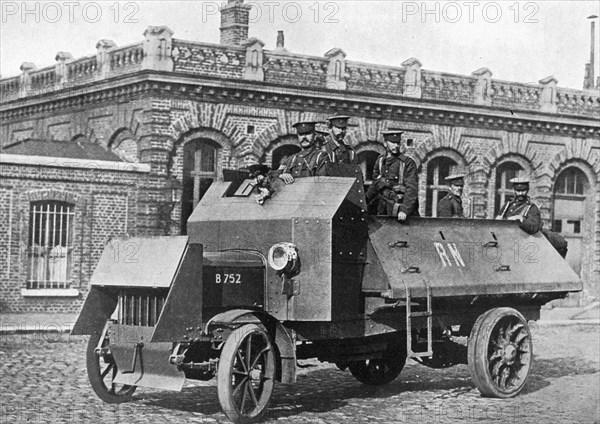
x=141 y=308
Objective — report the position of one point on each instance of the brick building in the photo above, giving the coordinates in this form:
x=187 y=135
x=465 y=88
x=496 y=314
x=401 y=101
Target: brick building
x=126 y=141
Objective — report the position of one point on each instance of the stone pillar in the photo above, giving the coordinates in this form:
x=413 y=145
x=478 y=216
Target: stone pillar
x=548 y=96
x=157 y=49
x=60 y=69
x=253 y=70
x=336 y=69
x=412 y=78
x=103 y=47
x=234 y=22
x=25 y=78
x=483 y=87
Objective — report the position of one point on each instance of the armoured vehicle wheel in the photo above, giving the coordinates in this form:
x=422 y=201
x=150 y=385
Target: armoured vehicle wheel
x=246 y=373
x=378 y=371
x=500 y=353
x=102 y=369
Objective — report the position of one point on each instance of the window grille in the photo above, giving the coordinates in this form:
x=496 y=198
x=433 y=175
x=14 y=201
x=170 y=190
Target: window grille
x=50 y=245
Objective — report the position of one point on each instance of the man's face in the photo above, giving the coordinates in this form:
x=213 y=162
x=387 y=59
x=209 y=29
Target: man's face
x=393 y=148
x=307 y=140
x=521 y=193
x=457 y=189
x=338 y=133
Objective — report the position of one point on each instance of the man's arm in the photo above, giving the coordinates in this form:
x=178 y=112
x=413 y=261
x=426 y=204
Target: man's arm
x=411 y=182
x=444 y=209
x=532 y=221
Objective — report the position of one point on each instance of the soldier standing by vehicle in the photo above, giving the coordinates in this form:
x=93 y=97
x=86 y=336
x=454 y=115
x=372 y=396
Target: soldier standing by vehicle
x=521 y=208
x=310 y=161
x=451 y=205
x=395 y=181
x=336 y=148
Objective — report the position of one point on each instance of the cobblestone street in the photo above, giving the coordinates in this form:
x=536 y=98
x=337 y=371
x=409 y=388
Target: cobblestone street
x=43 y=379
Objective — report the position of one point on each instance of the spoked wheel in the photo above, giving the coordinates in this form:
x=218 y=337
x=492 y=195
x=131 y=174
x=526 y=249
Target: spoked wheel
x=246 y=373
x=102 y=369
x=500 y=353
x=378 y=371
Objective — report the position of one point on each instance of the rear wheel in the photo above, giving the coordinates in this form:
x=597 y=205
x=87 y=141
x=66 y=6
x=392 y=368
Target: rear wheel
x=378 y=371
x=500 y=353
x=102 y=370
x=246 y=374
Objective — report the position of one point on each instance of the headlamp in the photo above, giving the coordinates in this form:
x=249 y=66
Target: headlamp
x=283 y=258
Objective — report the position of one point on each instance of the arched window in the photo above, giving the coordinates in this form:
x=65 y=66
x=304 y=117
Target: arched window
x=50 y=244
x=504 y=173
x=199 y=172
x=366 y=160
x=437 y=171
x=254 y=59
x=570 y=211
x=338 y=69
x=281 y=153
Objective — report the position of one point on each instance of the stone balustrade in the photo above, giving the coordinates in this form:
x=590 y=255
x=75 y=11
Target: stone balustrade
x=329 y=72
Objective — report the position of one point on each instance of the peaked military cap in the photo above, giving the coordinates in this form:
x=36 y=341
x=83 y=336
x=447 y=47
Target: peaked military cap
x=520 y=183
x=305 y=127
x=340 y=121
x=456 y=179
x=392 y=136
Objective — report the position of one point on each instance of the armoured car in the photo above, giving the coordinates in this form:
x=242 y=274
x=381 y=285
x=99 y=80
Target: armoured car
x=254 y=288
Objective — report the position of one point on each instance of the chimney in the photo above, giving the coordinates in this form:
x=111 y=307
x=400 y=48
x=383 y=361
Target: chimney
x=234 y=22
x=280 y=42
x=588 y=81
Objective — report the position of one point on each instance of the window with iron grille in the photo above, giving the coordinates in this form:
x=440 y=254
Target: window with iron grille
x=50 y=245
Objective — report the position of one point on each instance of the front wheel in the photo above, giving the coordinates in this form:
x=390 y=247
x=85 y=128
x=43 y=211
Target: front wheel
x=500 y=353
x=246 y=374
x=102 y=370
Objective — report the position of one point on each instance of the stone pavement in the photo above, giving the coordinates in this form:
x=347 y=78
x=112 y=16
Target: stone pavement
x=34 y=323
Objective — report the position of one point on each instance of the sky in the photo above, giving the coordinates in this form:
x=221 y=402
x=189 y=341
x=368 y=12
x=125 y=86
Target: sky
x=522 y=41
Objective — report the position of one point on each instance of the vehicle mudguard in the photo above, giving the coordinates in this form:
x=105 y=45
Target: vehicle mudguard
x=284 y=343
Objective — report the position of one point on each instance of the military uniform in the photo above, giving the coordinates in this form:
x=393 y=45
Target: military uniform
x=532 y=220
x=395 y=186
x=339 y=153
x=450 y=207
x=307 y=163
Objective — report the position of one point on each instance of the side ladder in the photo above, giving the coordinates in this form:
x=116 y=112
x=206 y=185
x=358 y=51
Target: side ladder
x=409 y=316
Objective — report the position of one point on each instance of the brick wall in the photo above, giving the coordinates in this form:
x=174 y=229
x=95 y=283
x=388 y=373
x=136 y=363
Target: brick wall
x=106 y=205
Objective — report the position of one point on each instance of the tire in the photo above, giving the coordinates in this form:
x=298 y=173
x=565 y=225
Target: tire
x=379 y=371
x=101 y=370
x=246 y=374
x=500 y=353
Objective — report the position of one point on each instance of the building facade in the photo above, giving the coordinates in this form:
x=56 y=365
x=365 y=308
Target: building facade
x=170 y=115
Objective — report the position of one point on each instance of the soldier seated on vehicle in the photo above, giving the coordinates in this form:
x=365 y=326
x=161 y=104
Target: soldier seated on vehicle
x=335 y=146
x=310 y=161
x=395 y=181
x=451 y=205
x=522 y=209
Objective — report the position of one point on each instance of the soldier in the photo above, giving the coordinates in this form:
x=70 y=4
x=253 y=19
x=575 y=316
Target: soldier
x=395 y=181
x=451 y=205
x=521 y=208
x=310 y=161
x=336 y=148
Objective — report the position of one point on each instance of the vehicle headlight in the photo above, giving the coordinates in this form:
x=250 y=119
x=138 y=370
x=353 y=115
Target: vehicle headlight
x=283 y=258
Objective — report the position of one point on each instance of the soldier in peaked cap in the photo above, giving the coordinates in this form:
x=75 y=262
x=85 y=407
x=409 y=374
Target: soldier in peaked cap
x=337 y=150
x=451 y=205
x=310 y=161
x=521 y=208
x=395 y=181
